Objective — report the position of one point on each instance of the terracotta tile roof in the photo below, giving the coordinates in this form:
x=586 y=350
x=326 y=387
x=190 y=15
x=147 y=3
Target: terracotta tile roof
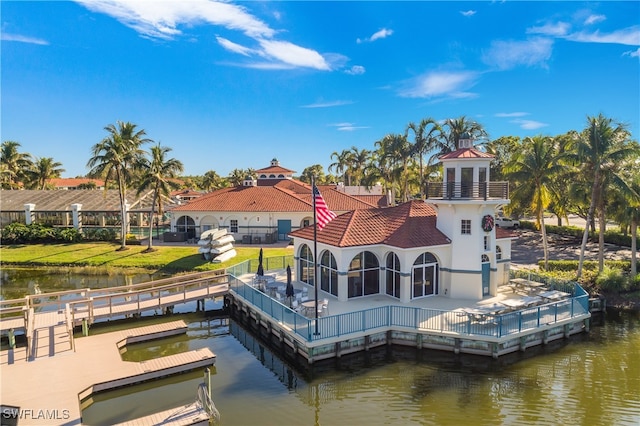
x=285 y=196
x=502 y=233
x=466 y=153
x=73 y=182
x=408 y=225
x=276 y=170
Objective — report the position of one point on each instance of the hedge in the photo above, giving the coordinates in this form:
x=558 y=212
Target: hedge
x=610 y=237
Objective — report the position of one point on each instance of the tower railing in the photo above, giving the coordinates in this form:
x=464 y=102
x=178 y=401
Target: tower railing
x=467 y=190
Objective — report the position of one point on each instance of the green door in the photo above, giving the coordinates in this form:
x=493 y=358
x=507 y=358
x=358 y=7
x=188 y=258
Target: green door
x=284 y=228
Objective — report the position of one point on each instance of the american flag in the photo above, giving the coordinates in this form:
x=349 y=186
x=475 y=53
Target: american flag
x=323 y=214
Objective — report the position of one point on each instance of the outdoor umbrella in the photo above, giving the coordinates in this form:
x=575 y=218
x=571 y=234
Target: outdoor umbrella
x=260 y=268
x=289 y=289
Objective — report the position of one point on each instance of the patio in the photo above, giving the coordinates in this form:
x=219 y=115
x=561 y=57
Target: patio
x=518 y=294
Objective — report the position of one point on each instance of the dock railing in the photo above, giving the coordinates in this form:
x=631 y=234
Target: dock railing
x=393 y=317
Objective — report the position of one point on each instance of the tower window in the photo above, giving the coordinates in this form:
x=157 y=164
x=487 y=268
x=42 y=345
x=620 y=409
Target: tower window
x=465 y=227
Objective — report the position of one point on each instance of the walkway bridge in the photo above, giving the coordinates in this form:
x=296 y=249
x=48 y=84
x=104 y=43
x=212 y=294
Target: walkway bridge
x=47 y=320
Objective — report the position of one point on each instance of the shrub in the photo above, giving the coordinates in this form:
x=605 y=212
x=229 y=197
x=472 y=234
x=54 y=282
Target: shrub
x=611 y=280
x=99 y=234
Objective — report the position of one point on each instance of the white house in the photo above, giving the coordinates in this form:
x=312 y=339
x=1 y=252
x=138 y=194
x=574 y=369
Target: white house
x=264 y=210
x=447 y=245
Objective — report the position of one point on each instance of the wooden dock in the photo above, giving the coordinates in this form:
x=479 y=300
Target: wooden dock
x=58 y=383
x=47 y=320
x=191 y=414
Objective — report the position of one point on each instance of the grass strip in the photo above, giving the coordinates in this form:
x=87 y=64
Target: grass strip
x=104 y=256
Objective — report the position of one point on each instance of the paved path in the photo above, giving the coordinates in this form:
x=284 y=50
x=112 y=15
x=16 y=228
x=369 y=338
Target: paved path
x=527 y=249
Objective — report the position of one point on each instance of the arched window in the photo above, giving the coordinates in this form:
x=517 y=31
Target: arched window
x=364 y=275
x=498 y=252
x=485 y=258
x=186 y=224
x=305 y=265
x=328 y=273
x=393 y=275
x=424 y=276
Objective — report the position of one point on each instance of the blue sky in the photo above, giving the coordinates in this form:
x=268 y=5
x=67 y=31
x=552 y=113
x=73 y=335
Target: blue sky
x=234 y=84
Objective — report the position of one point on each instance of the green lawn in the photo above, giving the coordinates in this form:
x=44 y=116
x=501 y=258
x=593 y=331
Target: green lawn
x=105 y=256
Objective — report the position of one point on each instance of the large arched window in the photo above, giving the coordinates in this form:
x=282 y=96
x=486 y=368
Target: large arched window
x=186 y=224
x=393 y=275
x=424 y=276
x=328 y=273
x=364 y=275
x=305 y=265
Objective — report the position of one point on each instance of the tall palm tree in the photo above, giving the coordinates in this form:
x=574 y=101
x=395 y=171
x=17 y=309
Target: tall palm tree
x=357 y=163
x=236 y=177
x=601 y=149
x=116 y=158
x=534 y=168
x=453 y=128
x=425 y=137
x=341 y=164
x=211 y=180
x=42 y=170
x=15 y=164
x=396 y=149
x=158 y=174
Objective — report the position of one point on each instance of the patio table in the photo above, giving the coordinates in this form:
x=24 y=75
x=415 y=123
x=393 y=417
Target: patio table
x=553 y=295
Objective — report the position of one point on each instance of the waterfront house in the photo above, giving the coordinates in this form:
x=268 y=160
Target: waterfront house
x=446 y=245
x=266 y=209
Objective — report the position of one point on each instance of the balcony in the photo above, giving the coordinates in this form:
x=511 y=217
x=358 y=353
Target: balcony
x=467 y=191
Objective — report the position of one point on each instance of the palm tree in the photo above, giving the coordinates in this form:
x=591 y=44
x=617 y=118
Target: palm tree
x=14 y=164
x=396 y=150
x=211 y=180
x=341 y=163
x=601 y=149
x=236 y=177
x=158 y=174
x=425 y=136
x=116 y=158
x=534 y=169
x=313 y=172
x=42 y=170
x=448 y=142
x=357 y=163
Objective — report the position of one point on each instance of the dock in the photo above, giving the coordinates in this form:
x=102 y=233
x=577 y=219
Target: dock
x=54 y=386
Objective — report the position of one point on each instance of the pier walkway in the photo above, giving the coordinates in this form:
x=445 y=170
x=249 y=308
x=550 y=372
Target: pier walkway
x=47 y=320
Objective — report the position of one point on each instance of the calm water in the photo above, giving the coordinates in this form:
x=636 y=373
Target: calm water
x=591 y=379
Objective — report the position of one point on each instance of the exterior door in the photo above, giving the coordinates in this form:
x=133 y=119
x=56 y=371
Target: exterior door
x=284 y=228
x=486 y=276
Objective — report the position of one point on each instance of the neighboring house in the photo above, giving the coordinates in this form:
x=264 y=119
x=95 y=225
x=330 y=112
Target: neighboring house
x=446 y=246
x=263 y=210
x=73 y=183
x=182 y=196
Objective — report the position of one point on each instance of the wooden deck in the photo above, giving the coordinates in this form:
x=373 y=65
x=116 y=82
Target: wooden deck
x=59 y=382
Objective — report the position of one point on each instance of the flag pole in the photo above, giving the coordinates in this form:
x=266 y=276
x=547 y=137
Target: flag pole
x=315 y=251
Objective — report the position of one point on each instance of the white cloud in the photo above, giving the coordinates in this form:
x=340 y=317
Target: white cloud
x=166 y=19
x=290 y=53
x=440 y=84
x=628 y=36
x=161 y=19
x=23 y=39
x=468 y=12
x=593 y=19
x=356 y=70
x=557 y=29
x=328 y=104
x=234 y=47
x=378 y=35
x=509 y=54
x=347 y=127
x=511 y=114
x=632 y=53
x=529 y=124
